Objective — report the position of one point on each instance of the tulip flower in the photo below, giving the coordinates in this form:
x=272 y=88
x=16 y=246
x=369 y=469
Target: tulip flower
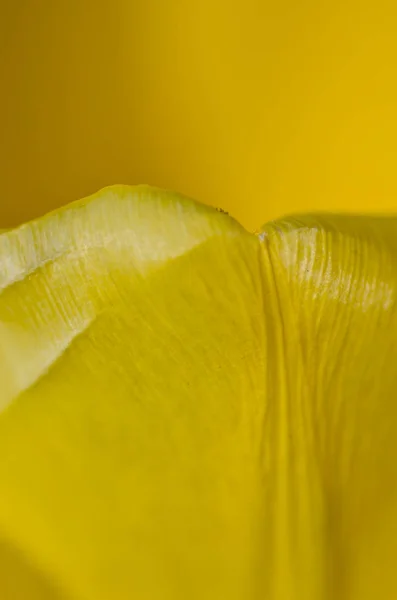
x=190 y=410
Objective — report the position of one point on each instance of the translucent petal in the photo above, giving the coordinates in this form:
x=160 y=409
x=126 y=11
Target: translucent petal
x=192 y=411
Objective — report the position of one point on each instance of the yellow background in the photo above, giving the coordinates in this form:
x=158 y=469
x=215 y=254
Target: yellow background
x=260 y=107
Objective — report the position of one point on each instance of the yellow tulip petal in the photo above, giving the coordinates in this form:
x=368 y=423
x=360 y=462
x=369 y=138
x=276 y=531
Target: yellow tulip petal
x=132 y=336
x=337 y=282
x=192 y=411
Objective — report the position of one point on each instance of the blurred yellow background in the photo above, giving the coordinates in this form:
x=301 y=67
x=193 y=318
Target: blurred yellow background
x=259 y=107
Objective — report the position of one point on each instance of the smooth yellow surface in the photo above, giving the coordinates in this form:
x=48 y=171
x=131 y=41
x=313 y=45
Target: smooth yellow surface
x=261 y=107
x=189 y=410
